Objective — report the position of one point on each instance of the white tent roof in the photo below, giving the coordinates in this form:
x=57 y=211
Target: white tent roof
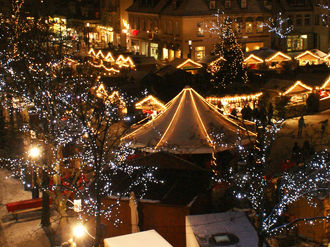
x=140 y=239
x=189 y=124
x=201 y=228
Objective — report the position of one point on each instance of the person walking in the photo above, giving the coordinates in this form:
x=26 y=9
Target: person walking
x=301 y=124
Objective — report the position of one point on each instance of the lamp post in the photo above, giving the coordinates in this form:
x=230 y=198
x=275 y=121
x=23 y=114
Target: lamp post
x=190 y=48
x=87 y=25
x=34 y=153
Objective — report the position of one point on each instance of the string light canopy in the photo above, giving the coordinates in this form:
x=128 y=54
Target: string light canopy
x=234 y=99
x=253 y=59
x=125 y=62
x=102 y=66
x=150 y=103
x=307 y=57
x=189 y=124
x=278 y=57
x=298 y=88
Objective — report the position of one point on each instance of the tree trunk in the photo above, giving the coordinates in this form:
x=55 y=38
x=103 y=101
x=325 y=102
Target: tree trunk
x=45 y=214
x=98 y=237
x=261 y=240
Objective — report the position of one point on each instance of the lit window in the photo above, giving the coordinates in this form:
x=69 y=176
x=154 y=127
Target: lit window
x=260 y=26
x=200 y=31
x=297 y=42
x=248 y=27
x=199 y=52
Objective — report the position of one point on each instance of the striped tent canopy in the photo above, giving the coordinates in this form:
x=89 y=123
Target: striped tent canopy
x=189 y=124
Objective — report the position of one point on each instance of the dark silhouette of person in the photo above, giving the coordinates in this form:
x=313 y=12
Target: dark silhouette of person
x=324 y=125
x=295 y=152
x=301 y=124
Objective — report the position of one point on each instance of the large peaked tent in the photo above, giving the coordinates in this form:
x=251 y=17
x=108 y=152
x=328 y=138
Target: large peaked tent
x=189 y=124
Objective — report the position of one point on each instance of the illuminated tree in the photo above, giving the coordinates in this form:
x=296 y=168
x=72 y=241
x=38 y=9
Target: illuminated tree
x=280 y=26
x=227 y=70
x=68 y=111
x=253 y=183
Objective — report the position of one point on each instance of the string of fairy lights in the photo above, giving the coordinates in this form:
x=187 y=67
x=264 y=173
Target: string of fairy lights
x=69 y=113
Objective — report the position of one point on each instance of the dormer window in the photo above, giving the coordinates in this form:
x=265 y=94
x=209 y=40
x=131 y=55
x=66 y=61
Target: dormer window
x=227 y=4
x=243 y=4
x=212 y=4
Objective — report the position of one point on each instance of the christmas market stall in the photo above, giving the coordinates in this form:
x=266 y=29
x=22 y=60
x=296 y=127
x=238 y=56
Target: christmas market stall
x=308 y=58
x=273 y=59
x=188 y=125
x=150 y=105
x=298 y=92
x=252 y=61
x=228 y=103
x=187 y=65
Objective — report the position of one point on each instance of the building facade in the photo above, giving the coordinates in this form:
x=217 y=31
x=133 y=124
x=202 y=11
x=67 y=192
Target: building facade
x=310 y=24
x=168 y=29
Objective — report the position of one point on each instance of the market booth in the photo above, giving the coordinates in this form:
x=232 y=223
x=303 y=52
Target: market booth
x=308 y=58
x=150 y=105
x=298 y=93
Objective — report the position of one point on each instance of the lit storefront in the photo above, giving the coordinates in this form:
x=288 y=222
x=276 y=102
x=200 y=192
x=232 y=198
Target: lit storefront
x=297 y=42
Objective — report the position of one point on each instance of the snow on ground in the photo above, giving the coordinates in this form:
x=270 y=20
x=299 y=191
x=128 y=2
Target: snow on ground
x=288 y=135
x=24 y=233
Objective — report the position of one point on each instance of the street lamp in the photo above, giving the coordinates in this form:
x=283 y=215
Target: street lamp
x=79 y=230
x=34 y=153
x=87 y=25
x=190 y=48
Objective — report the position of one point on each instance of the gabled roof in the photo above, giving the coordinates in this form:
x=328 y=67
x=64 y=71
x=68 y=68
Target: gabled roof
x=150 y=103
x=319 y=53
x=262 y=53
x=278 y=57
x=298 y=88
x=189 y=64
x=253 y=59
x=189 y=124
x=307 y=55
x=327 y=57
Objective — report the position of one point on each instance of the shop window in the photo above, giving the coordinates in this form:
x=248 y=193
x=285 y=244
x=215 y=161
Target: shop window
x=307 y=20
x=200 y=31
x=297 y=42
x=298 y=20
x=249 y=27
x=165 y=53
x=199 y=52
